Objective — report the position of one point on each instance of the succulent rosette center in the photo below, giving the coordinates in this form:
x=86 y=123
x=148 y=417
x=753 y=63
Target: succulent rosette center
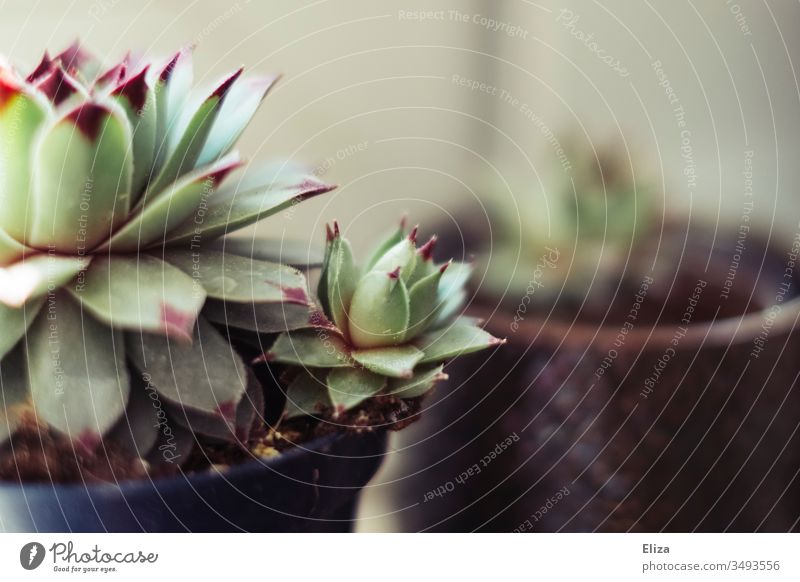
x=393 y=323
x=116 y=286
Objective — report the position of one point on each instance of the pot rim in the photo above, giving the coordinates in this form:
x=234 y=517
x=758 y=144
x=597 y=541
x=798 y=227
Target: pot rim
x=165 y=484
x=713 y=333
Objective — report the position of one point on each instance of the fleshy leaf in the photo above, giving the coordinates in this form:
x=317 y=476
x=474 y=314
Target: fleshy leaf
x=391 y=241
x=10 y=249
x=14 y=322
x=78 y=378
x=217 y=427
x=397 y=362
x=422 y=299
x=307 y=396
x=403 y=255
x=420 y=383
x=183 y=157
x=349 y=387
x=240 y=105
x=21 y=113
x=206 y=375
x=34 y=276
x=452 y=293
x=81 y=180
x=141 y=292
x=139 y=103
x=341 y=277
x=14 y=394
x=238 y=279
x=311 y=348
x=379 y=310
x=171 y=84
x=137 y=430
x=298 y=254
x=260 y=317
x=252 y=199
x=456 y=340
x=162 y=212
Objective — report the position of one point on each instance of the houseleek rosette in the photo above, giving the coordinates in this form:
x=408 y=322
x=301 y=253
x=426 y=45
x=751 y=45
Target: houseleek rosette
x=392 y=325
x=116 y=301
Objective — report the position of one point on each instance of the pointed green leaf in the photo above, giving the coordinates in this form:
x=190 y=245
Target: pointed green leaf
x=233 y=278
x=341 y=277
x=21 y=113
x=78 y=378
x=423 y=304
x=159 y=213
x=295 y=253
x=206 y=375
x=312 y=348
x=379 y=311
x=397 y=362
x=349 y=387
x=456 y=340
x=240 y=105
x=191 y=136
x=14 y=322
x=403 y=255
x=260 y=317
x=171 y=84
x=32 y=277
x=139 y=103
x=395 y=238
x=240 y=204
x=307 y=396
x=81 y=179
x=420 y=383
x=14 y=393
x=141 y=292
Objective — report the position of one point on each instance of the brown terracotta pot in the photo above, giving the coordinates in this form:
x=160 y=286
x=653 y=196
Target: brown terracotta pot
x=662 y=426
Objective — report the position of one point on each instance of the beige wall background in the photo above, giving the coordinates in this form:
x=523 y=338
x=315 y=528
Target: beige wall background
x=372 y=96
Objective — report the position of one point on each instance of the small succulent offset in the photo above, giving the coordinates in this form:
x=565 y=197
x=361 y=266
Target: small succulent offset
x=391 y=325
x=118 y=296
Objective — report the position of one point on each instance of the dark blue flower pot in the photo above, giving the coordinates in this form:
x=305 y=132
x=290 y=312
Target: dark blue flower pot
x=310 y=489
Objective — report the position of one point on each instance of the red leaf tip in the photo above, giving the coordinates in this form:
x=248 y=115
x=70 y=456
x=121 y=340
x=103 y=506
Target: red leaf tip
x=336 y=232
x=426 y=250
x=412 y=236
x=394 y=275
x=43 y=67
x=135 y=90
x=328 y=232
x=226 y=85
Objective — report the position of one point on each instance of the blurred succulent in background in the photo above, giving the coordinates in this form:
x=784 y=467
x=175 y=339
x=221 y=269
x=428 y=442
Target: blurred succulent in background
x=113 y=290
x=591 y=220
x=391 y=325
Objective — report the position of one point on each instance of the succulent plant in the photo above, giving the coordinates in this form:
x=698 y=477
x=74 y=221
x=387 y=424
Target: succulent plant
x=391 y=325
x=590 y=219
x=118 y=296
